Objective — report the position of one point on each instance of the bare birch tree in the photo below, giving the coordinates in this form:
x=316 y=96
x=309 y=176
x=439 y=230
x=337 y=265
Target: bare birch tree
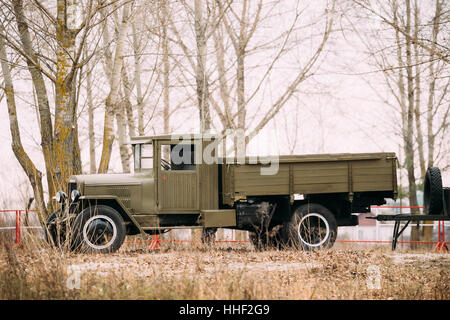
x=112 y=107
x=137 y=77
x=164 y=19
x=33 y=174
x=91 y=132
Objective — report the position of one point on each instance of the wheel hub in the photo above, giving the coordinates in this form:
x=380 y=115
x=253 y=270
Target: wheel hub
x=99 y=232
x=313 y=230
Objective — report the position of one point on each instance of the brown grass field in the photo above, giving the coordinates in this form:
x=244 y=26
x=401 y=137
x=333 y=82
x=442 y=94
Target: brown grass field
x=34 y=270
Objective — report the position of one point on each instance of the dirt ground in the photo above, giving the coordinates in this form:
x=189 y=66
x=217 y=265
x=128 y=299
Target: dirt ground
x=339 y=273
x=236 y=271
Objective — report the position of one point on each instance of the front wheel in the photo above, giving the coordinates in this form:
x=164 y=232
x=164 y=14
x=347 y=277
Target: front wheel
x=98 y=229
x=311 y=227
x=51 y=232
x=55 y=229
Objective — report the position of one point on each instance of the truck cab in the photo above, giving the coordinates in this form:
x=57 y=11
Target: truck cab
x=184 y=170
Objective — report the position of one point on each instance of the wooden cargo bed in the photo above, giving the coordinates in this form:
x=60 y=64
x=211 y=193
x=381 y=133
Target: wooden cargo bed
x=315 y=174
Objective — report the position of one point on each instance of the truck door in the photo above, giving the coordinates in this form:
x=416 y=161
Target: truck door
x=177 y=186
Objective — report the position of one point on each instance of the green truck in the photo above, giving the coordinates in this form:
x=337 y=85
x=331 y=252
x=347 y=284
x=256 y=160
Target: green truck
x=286 y=201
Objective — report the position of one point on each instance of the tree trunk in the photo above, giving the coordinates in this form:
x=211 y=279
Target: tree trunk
x=112 y=99
x=200 y=73
x=201 y=80
x=428 y=230
x=127 y=103
x=417 y=108
x=241 y=148
x=66 y=140
x=240 y=72
x=409 y=148
x=223 y=85
x=34 y=175
x=121 y=134
x=46 y=128
x=431 y=92
x=241 y=88
x=137 y=79
x=91 y=131
x=122 y=140
x=166 y=70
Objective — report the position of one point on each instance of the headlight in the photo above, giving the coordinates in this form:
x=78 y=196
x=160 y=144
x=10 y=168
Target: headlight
x=60 y=196
x=74 y=195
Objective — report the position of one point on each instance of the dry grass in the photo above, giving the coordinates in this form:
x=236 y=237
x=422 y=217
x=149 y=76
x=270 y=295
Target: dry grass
x=36 y=271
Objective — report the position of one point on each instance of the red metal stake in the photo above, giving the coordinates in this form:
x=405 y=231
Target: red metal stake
x=18 y=222
x=441 y=245
x=157 y=242
x=154 y=244
x=444 y=244
x=20 y=226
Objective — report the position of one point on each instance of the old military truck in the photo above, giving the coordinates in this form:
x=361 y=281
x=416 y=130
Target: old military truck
x=300 y=204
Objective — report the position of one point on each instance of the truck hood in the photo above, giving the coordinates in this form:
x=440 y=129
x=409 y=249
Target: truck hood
x=111 y=179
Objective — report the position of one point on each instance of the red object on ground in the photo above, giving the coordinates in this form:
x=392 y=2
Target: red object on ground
x=18 y=226
x=441 y=245
x=154 y=244
x=18 y=223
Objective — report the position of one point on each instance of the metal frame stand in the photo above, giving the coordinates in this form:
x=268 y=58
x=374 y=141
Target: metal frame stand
x=396 y=233
x=398 y=218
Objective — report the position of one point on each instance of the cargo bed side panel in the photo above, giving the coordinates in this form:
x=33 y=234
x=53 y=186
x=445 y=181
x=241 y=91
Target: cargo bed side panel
x=373 y=175
x=321 y=177
x=306 y=176
x=249 y=181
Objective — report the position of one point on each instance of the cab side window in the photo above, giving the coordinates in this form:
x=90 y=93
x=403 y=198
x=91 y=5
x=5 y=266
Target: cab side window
x=178 y=157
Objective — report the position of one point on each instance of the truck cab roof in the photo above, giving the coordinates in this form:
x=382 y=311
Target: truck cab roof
x=175 y=137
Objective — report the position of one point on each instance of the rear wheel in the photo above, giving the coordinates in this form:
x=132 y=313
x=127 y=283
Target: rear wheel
x=98 y=229
x=311 y=227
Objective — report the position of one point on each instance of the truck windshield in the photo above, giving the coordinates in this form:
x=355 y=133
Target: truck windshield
x=143 y=156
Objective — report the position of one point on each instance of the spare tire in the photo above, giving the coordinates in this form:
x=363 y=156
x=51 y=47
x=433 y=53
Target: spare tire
x=432 y=191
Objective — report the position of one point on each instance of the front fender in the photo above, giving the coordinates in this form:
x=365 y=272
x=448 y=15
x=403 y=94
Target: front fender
x=115 y=203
